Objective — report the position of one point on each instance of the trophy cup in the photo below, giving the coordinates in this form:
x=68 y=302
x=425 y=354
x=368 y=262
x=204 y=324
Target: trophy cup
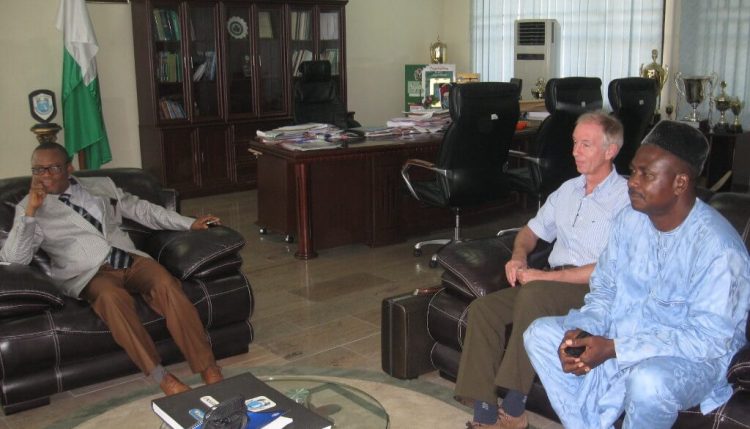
x=693 y=90
x=736 y=105
x=723 y=102
x=658 y=73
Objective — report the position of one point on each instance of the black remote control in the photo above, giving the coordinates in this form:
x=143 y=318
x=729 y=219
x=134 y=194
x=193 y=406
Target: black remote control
x=576 y=351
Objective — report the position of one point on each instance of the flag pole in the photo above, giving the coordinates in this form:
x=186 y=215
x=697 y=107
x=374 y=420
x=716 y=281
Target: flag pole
x=82 y=160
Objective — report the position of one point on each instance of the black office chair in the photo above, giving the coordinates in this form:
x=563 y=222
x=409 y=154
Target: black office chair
x=316 y=97
x=519 y=82
x=549 y=160
x=633 y=101
x=472 y=155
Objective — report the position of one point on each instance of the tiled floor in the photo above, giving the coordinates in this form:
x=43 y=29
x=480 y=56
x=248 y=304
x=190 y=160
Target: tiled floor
x=324 y=312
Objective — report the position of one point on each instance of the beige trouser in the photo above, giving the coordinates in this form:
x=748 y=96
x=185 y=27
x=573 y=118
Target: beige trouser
x=485 y=361
x=109 y=294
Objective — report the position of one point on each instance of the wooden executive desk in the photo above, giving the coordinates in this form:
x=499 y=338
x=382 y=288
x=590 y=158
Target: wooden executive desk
x=332 y=197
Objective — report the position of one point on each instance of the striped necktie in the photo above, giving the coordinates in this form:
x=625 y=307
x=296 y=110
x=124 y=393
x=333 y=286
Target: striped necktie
x=118 y=258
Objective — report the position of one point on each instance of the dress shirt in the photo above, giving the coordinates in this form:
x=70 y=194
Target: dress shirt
x=580 y=223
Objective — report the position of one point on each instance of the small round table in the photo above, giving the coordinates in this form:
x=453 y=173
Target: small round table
x=346 y=406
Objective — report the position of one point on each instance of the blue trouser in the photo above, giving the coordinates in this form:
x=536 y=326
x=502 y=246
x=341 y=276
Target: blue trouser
x=650 y=392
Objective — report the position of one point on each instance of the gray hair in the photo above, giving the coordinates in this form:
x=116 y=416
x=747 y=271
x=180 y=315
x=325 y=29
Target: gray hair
x=612 y=127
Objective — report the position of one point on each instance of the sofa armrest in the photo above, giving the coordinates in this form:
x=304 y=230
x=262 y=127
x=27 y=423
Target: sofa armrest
x=738 y=374
x=25 y=289
x=477 y=267
x=202 y=253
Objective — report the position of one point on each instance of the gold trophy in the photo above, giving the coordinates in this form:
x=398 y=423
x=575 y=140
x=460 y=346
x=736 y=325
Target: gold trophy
x=658 y=73
x=723 y=102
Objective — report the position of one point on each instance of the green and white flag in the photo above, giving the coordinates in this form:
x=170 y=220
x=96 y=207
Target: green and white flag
x=81 y=102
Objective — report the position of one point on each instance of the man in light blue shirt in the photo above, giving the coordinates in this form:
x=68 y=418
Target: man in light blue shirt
x=577 y=217
x=668 y=303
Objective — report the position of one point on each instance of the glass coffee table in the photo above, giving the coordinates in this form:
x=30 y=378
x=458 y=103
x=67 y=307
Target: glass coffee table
x=346 y=406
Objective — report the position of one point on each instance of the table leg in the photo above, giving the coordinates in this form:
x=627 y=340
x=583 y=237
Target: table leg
x=305 y=249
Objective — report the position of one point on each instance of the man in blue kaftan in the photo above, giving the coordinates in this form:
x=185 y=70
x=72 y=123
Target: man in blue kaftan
x=668 y=303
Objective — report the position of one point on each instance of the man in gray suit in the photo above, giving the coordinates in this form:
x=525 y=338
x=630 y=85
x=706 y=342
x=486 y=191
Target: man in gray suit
x=76 y=221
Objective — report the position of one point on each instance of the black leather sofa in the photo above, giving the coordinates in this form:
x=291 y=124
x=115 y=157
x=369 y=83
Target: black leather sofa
x=476 y=268
x=50 y=343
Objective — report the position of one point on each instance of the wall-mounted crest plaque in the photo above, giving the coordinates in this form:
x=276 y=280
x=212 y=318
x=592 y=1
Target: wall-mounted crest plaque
x=43 y=106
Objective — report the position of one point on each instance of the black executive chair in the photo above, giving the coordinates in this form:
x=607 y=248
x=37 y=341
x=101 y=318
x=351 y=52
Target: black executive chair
x=519 y=82
x=472 y=155
x=549 y=160
x=633 y=101
x=316 y=97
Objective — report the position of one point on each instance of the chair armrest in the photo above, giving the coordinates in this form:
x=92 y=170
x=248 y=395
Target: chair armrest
x=24 y=289
x=197 y=253
x=419 y=163
x=739 y=369
x=524 y=156
x=504 y=232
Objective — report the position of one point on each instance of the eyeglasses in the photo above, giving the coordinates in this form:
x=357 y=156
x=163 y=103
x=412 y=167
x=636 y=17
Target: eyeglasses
x=52 y=169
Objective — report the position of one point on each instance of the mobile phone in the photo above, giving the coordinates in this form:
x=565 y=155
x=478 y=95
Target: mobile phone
x=577 y=351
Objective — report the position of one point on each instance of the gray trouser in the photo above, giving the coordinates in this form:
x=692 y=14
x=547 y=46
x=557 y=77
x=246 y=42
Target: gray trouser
x=485 y=361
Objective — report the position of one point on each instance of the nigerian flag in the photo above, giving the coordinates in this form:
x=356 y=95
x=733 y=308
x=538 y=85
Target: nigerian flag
x=81 y=104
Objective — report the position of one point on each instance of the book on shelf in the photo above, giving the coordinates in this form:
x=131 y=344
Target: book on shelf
x=168 y=67
x=265 y=28
x=178 y=411
x=171 y=109
x=166 y=25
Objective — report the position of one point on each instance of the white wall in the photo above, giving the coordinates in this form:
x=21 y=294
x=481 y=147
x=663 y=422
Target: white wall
x=32 y=48
x=382 y=36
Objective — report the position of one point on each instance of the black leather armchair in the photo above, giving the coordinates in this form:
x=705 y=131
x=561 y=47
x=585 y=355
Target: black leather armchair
x=476 y=268
x=316 y=97
x=633 y=101
x=470 y=164
x=50 y=343
x=549 y=161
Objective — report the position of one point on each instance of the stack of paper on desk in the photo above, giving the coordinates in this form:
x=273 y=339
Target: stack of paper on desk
x=297 y=133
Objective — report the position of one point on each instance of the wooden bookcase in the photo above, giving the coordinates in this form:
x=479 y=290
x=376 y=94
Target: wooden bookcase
x=210 y=73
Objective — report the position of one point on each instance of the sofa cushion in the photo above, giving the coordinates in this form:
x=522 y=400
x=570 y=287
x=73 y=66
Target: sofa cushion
x=24 y=289
x=185 y=253
x=739 y=369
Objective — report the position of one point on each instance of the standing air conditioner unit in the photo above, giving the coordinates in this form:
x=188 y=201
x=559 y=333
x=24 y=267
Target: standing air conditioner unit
x=536 y=51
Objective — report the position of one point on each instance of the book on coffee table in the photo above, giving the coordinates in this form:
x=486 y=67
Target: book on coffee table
x=184 y=410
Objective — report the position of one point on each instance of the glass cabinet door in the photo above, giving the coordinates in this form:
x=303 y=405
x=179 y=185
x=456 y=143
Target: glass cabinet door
x=203 y=60
x=168 y=63
x=239 y=60
x=270 y=60
x=302 y=44
x=329 y=47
